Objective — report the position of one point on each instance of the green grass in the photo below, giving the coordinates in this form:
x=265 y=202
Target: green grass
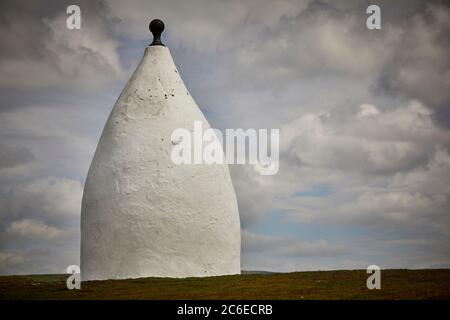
x=395 y=284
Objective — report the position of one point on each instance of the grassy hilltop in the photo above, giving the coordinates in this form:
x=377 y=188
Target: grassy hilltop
x=395 y=284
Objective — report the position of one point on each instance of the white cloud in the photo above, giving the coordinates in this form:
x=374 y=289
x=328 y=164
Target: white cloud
x=34 y=229
x=288 y=247
x=60 y=196
x=365 y=141
x=10 y=259
x=390 y=207
x=367 y=110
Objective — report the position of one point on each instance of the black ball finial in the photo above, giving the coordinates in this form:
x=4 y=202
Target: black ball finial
x=156 y=27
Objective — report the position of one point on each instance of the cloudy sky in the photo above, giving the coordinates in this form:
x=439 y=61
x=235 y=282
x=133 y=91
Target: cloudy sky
x=364 y=117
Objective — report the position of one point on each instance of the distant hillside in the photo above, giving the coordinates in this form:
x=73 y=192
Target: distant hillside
x=395 y=284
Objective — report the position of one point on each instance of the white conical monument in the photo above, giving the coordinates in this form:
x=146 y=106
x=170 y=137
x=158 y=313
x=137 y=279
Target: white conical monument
x=142 y=215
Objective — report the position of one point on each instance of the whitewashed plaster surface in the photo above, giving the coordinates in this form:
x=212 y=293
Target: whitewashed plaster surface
x=141 y=214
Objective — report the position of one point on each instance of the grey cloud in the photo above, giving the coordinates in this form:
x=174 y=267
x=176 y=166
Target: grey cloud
x=41 y=52
x=419 y=65
x=252 y=205
x=40 y=200
x=366 y=140
x=210 y=26
x=414 y=201
x=40 y=257
x=11 y=156
x=11 y=260
x=390 y=205
x=60 y=134
x=57 y=200
x=39 y=226
x=284 y=246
